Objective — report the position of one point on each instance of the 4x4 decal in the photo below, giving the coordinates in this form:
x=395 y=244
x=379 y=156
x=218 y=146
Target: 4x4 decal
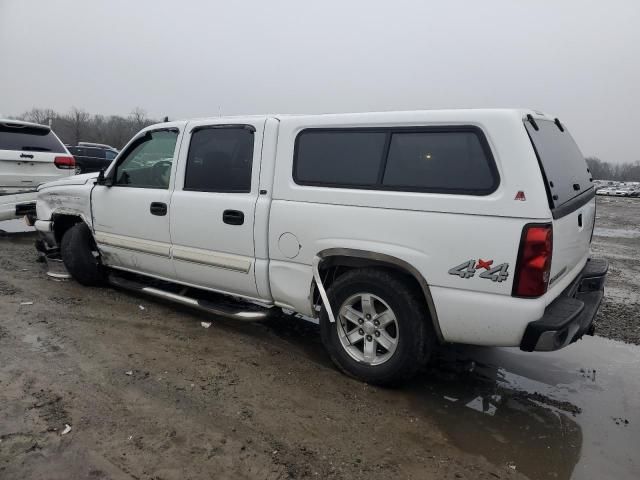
x=468 y=269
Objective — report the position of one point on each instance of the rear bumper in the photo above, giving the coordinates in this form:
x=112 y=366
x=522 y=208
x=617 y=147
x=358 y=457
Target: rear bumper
x=17 y=205
x=571 y=315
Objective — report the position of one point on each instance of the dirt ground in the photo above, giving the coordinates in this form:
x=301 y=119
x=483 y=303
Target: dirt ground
x=617 y=238
x=149 y=393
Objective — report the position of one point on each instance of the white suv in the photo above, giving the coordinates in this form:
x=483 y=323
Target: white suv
x=397 y=230
x=30 y=155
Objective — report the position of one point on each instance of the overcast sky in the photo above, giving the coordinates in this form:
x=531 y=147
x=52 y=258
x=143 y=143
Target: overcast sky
x=577 y=59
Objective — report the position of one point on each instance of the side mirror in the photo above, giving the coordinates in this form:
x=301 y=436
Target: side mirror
x=102 y=180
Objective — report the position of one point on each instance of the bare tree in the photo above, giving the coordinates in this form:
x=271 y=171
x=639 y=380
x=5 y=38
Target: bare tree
x=78 y=125
x=139 y=118
x=43 y=116
x=79 y=120
x=629 y=172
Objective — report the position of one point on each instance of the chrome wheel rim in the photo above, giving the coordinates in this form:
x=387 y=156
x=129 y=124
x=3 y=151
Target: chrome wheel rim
x=367 y=329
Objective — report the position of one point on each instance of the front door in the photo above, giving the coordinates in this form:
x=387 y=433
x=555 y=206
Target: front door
x=131 y=211
x=213 y=206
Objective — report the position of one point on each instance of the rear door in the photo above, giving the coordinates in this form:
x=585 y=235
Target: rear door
x=570 y=192
x=27 y=154
x=213 y=206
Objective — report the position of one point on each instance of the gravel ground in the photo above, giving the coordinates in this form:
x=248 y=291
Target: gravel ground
x=617 y=238
x=150 y=394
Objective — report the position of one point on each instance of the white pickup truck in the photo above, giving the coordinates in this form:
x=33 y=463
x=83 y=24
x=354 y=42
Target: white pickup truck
x=398 y=230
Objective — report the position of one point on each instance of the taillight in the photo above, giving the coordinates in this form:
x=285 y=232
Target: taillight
x=534 y=261
x=66 y=162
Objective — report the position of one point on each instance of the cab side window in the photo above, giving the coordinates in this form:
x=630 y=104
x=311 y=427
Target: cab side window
x=220 y=160
x=148 y=162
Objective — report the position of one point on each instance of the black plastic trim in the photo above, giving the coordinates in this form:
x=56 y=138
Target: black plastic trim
x=390 y=131
x=557 y=317
x=573 y=312
x=244 y=126
x=574 y=204
x=23 y=209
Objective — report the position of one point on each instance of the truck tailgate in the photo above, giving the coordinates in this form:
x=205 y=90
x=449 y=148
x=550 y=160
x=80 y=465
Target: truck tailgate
x=571 y=240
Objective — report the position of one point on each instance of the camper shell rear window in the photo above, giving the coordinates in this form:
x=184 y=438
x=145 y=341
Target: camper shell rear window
x=563 y=165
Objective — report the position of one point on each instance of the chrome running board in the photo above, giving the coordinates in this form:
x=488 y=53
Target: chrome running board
x=216 y=309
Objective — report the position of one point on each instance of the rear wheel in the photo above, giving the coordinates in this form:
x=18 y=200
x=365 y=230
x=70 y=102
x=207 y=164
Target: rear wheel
x=382 y=333
x=80 y=255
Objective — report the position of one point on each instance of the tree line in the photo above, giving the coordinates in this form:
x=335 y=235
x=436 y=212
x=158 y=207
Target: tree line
x=623 y=172
x=80 y=126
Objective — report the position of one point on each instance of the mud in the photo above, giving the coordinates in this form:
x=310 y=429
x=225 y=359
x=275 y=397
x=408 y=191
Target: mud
x=151 y=394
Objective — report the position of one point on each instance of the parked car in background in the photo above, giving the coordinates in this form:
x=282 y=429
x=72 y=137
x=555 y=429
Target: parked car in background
x=92 y=157
x=30 y=155
x=618 y=189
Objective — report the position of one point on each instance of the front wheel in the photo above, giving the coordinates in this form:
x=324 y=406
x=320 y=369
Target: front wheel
x=382 y=333
x=80 y=255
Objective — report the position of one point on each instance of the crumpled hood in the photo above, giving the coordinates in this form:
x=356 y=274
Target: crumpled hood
x=74 y=180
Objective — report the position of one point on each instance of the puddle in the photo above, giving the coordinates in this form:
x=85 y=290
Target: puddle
x=571 y=414
x=616 y=232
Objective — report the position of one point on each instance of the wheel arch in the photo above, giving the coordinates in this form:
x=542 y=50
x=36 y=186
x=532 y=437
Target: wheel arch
x=350 y=258
x=63 y=221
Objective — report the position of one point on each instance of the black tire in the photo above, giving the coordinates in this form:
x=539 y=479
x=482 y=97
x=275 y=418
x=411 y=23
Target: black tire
x=415 y=335
x=77 y=250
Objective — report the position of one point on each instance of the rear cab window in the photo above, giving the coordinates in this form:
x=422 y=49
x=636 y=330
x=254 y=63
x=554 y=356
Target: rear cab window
x=220 y=159
x=27 y=138
x=565 y=170
x=454 y=160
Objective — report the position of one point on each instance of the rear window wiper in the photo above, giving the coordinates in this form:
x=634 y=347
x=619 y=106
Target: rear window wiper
x=35 y=149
